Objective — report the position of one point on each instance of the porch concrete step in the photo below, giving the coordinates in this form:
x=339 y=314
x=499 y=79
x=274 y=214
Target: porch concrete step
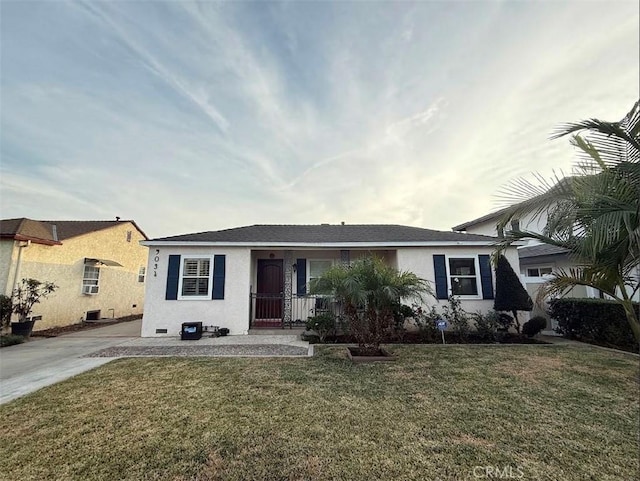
x=296 y=331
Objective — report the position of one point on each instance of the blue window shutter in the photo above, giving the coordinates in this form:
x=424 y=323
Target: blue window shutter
x=485 y=276
x=173 y=277
x=301 y=276
x=440 y=270
x=218 y=277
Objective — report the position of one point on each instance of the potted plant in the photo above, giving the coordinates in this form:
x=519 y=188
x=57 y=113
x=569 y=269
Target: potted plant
x=28 y=293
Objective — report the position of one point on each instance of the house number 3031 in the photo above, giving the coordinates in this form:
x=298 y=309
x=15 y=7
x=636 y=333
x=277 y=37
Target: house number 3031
x=156 y=259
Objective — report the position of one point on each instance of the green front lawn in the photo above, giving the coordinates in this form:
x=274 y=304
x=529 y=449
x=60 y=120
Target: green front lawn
x=548 y=412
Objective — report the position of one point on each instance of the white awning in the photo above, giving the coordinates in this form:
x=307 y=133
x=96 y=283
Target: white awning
x=106 y=262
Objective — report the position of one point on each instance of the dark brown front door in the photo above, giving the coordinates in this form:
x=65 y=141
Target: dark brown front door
x=269 y=289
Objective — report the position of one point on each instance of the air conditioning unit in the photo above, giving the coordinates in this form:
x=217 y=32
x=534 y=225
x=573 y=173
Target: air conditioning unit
x=89 y=290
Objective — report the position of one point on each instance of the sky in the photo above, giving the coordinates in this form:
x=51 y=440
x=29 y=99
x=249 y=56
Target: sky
x=197 y=116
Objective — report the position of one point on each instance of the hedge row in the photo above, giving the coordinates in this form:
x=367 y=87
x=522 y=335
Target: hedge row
x=596 y=321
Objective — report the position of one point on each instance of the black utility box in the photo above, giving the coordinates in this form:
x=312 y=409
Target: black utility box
x=191 y=331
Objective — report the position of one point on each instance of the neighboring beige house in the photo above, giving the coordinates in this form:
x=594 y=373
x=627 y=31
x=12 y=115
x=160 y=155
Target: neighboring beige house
x=98 y=266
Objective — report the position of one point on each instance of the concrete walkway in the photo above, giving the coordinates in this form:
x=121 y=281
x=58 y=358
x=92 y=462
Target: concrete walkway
x=25 y=368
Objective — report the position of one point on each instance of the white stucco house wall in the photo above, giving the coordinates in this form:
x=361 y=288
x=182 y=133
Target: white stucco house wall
x=98 y=266
x=257 y=276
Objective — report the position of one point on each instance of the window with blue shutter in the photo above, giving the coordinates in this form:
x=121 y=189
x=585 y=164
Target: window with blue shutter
x=173 y=278
x=485 y=276
x=440 y=270
x=218 y=277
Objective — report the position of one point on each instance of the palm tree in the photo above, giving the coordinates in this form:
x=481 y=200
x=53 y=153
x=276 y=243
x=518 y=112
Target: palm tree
x=595 y=213
x=368 y=289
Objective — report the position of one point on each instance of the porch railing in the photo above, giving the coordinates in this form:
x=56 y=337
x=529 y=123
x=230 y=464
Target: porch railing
x=268 y=310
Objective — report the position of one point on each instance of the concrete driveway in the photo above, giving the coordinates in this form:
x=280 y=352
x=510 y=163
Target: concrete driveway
x=25 y=368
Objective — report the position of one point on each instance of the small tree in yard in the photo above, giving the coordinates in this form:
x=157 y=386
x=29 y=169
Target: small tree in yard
x=510 y=293
x=368 y=290
x=29 y=293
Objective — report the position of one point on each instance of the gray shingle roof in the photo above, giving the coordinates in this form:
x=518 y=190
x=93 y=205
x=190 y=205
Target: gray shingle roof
x=540 y=250
x=492 y=215
x=326 y=233
x=562 y=185
x=42 y=230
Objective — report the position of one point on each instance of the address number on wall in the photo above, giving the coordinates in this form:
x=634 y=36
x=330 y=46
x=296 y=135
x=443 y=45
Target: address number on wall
x=156 y=259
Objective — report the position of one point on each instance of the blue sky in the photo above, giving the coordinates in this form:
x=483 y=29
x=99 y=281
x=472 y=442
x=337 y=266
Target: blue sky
x=199 y=116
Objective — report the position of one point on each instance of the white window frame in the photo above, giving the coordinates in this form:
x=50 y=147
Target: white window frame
x=477 y=276
x=142 y=274
x=309 y=261
x=180 y=279
x=90 y=289
x=538 y=269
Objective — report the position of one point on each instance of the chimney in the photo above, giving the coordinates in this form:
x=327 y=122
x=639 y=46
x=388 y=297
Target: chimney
x=342 y=223
x=117 y=219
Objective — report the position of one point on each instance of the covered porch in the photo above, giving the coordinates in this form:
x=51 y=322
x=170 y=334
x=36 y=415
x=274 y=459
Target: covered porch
x=279 y=296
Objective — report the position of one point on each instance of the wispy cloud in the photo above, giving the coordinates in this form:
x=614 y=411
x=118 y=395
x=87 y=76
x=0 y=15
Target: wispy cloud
x=189 y=116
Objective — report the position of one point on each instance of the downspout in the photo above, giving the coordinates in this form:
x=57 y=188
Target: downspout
x=16 y=274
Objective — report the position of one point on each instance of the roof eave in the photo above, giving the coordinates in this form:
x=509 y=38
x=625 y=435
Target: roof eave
x=35 y=240
x=335 y=245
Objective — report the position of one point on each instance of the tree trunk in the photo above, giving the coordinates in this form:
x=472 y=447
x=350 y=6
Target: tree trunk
x=632 y=317
x=516 y=321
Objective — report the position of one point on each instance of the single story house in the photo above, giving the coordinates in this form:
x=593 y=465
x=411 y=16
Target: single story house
x=98 y=266
x=258 y=276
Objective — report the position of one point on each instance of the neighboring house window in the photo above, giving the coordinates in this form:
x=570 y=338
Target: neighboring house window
x=318 y=267
x=463 y=276
x=142 y=272
x=195 y=278
x=128 y=236
x=538 y=271
x=90 y=279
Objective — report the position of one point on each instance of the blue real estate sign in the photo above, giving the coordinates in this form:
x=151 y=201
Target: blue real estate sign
x=442 y=324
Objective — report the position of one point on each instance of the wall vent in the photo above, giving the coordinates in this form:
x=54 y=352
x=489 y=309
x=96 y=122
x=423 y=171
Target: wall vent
x=161 y=331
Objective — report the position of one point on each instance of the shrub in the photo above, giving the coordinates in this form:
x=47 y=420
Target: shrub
x=596 y=321
x=10 y=340
x=6 y=309
x=487 y=325
x=457 y=317
x=533 y=326
x=505 y=321
x=426 y=319
x=400 y=313
x=510 y=293
x=323 y=324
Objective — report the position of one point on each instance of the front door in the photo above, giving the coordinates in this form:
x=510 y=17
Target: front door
x=270 y=285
